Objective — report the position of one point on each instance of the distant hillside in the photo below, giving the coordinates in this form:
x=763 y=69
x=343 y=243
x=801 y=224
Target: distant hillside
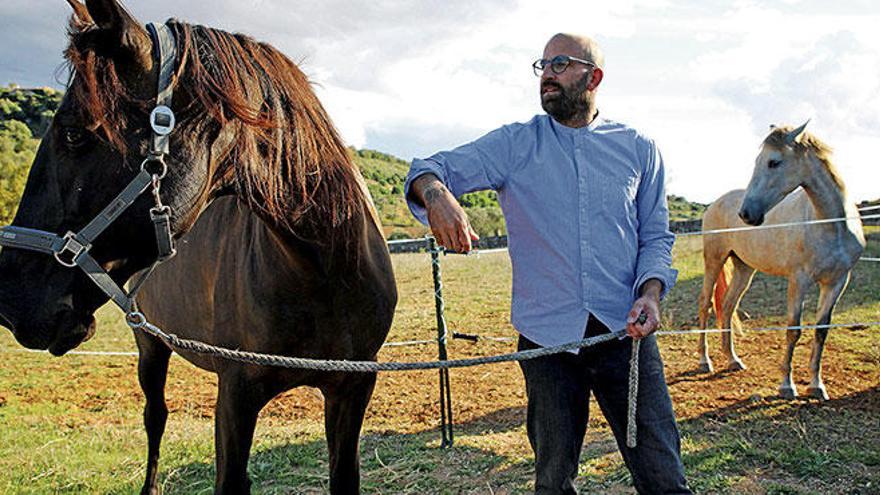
x=682 y=209
x=385 y=176
x=25 y=114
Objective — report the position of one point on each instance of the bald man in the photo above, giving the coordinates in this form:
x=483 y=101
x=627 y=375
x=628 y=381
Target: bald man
x=589 y=242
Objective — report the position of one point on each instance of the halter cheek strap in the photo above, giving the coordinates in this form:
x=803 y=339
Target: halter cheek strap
x=72 y=249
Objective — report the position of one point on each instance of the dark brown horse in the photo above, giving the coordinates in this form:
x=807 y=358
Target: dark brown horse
x=287 y=256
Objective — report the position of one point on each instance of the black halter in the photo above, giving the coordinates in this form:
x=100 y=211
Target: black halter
x=72 y=249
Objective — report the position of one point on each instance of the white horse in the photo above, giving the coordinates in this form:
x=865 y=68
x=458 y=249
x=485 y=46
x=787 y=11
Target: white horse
x=805 y=254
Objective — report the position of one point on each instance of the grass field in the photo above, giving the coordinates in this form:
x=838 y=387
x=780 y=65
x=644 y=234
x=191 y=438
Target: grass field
x=73 y=425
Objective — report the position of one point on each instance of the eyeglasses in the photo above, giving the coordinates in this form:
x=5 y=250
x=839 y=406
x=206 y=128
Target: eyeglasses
x=557 y=64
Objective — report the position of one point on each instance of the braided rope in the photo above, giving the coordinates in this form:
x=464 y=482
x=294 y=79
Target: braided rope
x=180 y=344
x=633 y=394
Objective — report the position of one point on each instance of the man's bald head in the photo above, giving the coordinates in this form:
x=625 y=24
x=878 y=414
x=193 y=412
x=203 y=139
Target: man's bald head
x=586 y=47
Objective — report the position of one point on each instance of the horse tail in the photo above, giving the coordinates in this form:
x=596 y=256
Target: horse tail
x=721 y=285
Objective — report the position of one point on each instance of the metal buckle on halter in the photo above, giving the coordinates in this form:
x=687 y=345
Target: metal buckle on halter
x=163 y=167
x=74 y=247
x=162 y=120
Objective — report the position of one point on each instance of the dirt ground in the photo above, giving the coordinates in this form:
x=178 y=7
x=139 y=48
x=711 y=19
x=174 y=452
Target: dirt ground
x=494 y=394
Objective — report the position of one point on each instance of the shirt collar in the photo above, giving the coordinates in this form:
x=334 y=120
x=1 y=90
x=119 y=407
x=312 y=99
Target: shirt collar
x=597 y=121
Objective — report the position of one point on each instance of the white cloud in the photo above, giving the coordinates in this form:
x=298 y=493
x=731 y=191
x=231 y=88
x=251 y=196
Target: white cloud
x=703 y=78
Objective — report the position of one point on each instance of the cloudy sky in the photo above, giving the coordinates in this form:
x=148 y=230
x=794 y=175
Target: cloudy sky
x=411 y=77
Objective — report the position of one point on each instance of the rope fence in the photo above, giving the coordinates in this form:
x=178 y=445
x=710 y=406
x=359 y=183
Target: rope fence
x=777 y=225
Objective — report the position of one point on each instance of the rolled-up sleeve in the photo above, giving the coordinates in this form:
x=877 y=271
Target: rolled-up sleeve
x=478 y=165
x=655 y=238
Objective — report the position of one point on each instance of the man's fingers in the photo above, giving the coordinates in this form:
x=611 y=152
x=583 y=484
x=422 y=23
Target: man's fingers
x=472 y=233
x=464 y=238
x=450 y=227
x=633 y=331
x=442 y=239
x=634 y=312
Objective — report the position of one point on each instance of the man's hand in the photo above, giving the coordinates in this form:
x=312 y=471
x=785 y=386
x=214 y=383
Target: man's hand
x=637 y=325
x=448 y=221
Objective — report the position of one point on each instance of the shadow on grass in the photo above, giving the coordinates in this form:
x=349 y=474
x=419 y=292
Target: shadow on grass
x=771 y=445
x=759 y=445
x=390 y=463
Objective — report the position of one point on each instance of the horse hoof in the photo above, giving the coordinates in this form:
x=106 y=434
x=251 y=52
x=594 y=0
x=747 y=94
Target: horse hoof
x=705 y=368
x=787 y=393
x=736 y=365
x=818 y=393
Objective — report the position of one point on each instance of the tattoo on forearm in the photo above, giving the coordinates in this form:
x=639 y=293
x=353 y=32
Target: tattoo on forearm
x=433 y=192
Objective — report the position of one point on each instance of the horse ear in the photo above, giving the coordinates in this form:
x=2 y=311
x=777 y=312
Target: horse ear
x=792 y=136
x=122 y=28
x=80 y=13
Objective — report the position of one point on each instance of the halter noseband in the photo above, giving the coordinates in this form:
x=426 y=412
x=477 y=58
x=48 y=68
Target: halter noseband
x=72 y=249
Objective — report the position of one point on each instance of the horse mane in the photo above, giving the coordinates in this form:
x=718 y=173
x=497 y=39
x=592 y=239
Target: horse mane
x=806 y=143
x=286 y=159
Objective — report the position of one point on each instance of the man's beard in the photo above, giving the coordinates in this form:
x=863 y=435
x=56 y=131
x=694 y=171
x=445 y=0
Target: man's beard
x=568 y=103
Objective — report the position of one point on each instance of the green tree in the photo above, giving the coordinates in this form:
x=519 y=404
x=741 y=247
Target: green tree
x=35 y=107
x=17 y=149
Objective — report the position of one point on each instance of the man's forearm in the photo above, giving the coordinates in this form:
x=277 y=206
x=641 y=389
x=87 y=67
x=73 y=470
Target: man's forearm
x=427 y=189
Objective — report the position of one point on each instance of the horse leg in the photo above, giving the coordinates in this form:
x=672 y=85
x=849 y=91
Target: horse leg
x=739 y=283
x=705 y=360
x=152 y=372
x=828 y=296
x=713 y=267
x=344 y=409
x=797 y=285
x=240 y=398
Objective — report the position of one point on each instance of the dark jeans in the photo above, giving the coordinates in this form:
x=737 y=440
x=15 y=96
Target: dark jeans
x=558 y=389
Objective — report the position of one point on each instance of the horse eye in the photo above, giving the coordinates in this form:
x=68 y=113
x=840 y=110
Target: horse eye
x=774 y=163
x=73 y=137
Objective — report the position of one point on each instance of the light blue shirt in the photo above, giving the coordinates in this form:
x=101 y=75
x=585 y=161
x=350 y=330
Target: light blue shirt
x=586 y=218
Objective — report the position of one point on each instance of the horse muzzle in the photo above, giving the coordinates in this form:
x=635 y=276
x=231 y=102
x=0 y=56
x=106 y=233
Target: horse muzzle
x=751 y=218
x=67 y=329
x=73 y=328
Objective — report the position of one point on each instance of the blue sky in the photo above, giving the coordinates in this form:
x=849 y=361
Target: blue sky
x=704 y=79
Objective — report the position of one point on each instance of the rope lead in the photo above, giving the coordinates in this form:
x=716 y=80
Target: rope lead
x=631 y=428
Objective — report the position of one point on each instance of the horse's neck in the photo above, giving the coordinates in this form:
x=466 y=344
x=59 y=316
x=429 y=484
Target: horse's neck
x=828 y=199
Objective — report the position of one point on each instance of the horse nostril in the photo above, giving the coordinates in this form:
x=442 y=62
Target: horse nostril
x=744 y=216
